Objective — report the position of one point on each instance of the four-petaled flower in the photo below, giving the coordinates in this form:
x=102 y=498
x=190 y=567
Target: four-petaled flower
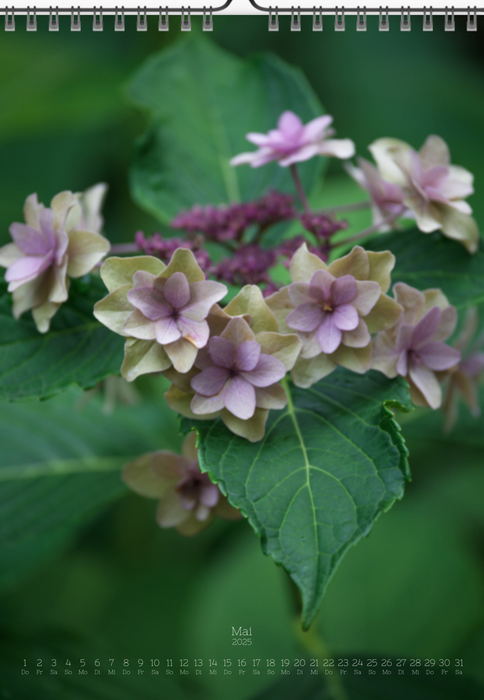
x=232 y=375
x=188 y=500
x=433 y=189
x=47 y=249
x=336 y=311
x=413 y=348
x=293 y=142
x=162 y=311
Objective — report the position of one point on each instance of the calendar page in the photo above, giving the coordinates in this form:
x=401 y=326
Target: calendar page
x=241 y=351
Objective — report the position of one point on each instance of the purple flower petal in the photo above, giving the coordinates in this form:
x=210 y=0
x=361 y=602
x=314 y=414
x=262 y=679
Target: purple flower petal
x=166 y=331
x=439 y=356
x=426 y=381
x=320 y=285
x=239 y=398
x=143 y=279
x=306 y=317
x=343 y=290
x=299 y=293
x=29 y=240
x=290 y=125
x=345 y=317
x=45 y=221
x=177 y=290
x=473 y=365
x=27 y=268
x=207 y=404
x=209 y=495
x=269 y=370
x=426 y=326
x=248 y=354
x=150 y=302
x=203 y=295
x=210 y=381
x=314 y=130
x=402 y=364
x=328 y=335
x=222 y=352
x=404 y=337
x=196 y=332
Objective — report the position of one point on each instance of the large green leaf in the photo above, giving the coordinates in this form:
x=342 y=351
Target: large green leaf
x=202 y=101
x=431 y=260
x=328 y=466
x=76 y=350
x=59 y=465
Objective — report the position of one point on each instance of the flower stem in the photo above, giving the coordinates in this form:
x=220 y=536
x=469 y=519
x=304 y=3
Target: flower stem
x=300 y=188
x=121 y=248
x=314 y=644
x=372 y=229
x=356 y=206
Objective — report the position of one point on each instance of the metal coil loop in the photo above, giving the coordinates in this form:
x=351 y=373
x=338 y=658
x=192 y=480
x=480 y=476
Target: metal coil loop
x=75 y=20
x=53 y=19
x=339 y=22
x=405 y=24
x=207 y=20
x=31 y=21
x=163 y=22
x=361 y=20
x=295 y=20
x=273 y=20
x=141 y=22
x=317 y=20
x=384 y=21
x=97 y=22
x=186 y=22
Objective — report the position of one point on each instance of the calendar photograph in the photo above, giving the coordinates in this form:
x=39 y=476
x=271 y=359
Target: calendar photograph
x=241 y=353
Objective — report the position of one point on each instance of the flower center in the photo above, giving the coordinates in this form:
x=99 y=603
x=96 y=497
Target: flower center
x=327 y=307
x=415 y=357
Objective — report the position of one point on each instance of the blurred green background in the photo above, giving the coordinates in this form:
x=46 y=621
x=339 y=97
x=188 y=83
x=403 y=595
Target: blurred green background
x=119 y=586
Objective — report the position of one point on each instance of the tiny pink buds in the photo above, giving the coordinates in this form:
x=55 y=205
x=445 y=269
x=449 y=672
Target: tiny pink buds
x=293 y=142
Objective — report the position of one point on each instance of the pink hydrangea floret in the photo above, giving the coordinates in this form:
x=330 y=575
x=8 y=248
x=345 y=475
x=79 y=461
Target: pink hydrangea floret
x=231 y=377
x=293 y=142
x=171 y=309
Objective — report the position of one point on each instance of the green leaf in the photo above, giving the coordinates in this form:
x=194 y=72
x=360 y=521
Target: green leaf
x=60 y=464
x=328 y=466
x=202 y=101
x=77 y=349
x=430 y=260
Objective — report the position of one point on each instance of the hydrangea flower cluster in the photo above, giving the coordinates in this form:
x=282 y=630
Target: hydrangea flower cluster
x=230 y=362
x=54 y=244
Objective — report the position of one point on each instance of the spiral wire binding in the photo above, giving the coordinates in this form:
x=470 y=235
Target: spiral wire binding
x=273 y=16
x=339 y=23
x=317 y=20
x=361 y=20
x=163 y=22
x=384 y=21
x=76 y=20
x=273 y=20
x=207 y=24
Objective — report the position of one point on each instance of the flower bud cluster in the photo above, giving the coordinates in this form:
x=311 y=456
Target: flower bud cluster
x=229 y=223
